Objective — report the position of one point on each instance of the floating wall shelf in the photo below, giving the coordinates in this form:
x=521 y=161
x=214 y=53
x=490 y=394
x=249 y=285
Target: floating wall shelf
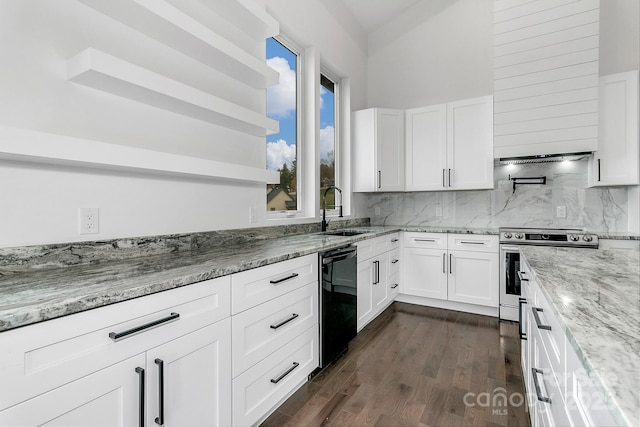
x=42 y=147
x=107 y=73
x=164 y=22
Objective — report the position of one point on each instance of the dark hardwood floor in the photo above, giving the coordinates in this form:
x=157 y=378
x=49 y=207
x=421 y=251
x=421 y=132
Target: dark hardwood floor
x=417 y=366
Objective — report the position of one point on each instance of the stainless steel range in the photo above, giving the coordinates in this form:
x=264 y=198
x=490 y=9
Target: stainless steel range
x=511 y=238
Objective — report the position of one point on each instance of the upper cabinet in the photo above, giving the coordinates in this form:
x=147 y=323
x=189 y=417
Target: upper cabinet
x=545 y=77
x=617 y=158
x=378 y=143
x=450 y=146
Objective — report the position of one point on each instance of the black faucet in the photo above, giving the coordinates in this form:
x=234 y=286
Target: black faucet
x=324 y=206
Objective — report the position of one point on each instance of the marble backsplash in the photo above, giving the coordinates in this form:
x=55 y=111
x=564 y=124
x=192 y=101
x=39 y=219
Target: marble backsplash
x=596 y=209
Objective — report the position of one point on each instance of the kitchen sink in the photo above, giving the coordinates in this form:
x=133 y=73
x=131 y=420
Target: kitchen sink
x=343 y=233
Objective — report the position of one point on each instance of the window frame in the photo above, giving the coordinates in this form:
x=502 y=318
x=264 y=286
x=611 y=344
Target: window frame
x=337 y=151
x=300 y=176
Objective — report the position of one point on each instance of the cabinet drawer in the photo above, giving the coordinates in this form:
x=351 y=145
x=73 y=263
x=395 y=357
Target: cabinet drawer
x=473 y=243
x=252 y=287
x=552 y=336
x=393 y=241
x=262 y=330
x=425 y=240
x=394 y=261
x=40 y=357
x=372 y=247
x=263 y=386
x=394 y=285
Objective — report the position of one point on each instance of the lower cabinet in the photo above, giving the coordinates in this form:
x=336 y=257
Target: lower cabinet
x=162 y=359
x=378 y=276
x=110 y=397
x=453 y=267
x=559 y=390
x=275 y=337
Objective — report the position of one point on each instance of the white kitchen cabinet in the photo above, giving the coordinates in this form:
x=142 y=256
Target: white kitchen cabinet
x=425 y=273
x=72 y=369
x=109 y=397
x=275 y=342
x=460 y=268
x=559 y=389
x=450 y=146
x=617 y=160
x=378 y=144
x=378 y=278
x=189 y=381
x=473 y=277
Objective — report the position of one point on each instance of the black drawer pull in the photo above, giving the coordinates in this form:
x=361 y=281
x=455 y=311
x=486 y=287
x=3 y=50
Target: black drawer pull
x=394 y=240
x=425 y=240
x=119 y=335
x=471 y=243
x=284 y=322
x=521 y=332
x=292 y=276
x=285 y=373
x=521 y=276
x=395 y=261
x=140 y=372
x=160 y=418
x=536 y=384
x=537 y=319
x=395 y=285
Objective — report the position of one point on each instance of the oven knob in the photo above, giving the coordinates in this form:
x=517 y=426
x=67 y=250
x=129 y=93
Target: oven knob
x=507 y=235
x=587 y=238
x=518 y=236
x=574 y=237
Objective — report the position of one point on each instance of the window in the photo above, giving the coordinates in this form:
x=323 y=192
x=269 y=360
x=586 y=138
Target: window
x=328 y=132
x=282 y=105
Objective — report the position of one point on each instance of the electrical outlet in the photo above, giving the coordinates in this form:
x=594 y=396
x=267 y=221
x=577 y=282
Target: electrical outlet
x=253 y=215
x=377 y=210
x=438 y=210
x=561 y=211
x=89 y=220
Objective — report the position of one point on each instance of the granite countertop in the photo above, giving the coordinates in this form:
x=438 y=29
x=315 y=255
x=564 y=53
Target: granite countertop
x=596 y=296
x=31 y=295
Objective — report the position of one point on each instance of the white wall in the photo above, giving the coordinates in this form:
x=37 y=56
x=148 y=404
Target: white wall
x=39 y=204
x=437 y=51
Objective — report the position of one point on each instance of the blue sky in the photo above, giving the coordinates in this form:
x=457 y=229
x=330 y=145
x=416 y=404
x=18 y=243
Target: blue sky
x=281 y=101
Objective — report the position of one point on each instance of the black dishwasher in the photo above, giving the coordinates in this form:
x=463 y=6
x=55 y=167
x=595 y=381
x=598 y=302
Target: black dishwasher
x=338 y=302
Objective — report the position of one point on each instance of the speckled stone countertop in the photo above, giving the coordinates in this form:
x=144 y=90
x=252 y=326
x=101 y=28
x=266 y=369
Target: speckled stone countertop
x=596 y=296
x=67 y=279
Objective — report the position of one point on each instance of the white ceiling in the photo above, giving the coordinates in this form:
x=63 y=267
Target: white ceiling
x=372 y=14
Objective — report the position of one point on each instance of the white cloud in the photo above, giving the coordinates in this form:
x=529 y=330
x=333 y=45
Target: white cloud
x=281 y=98
x=327 y=141
x=279 y=153
x=323 y=91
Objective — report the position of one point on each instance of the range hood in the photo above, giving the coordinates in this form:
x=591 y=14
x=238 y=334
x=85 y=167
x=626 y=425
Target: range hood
x=543 y=158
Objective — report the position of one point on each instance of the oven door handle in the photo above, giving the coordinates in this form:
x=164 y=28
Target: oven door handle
x=509 y=248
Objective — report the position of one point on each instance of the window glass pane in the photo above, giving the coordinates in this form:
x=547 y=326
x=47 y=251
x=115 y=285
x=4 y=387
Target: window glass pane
x=281 y=147
x=327 y=140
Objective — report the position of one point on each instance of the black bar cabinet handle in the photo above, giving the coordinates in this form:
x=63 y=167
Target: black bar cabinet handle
x=140 y=372
x=449 y=177
x=536 y=384
x=119 y=335
x=284 y=279
x=598 y=170
x=379 y=179
x=285 y=373
x=394 y=240
x=443 y=178
x=537 y=318
x=395 y=285
x=444 y=263
x=284 y=322
x=471 y=243
x=521 y=277
x=521 y=302
x=160 y=418
x=394 y=261
x=450 y=263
